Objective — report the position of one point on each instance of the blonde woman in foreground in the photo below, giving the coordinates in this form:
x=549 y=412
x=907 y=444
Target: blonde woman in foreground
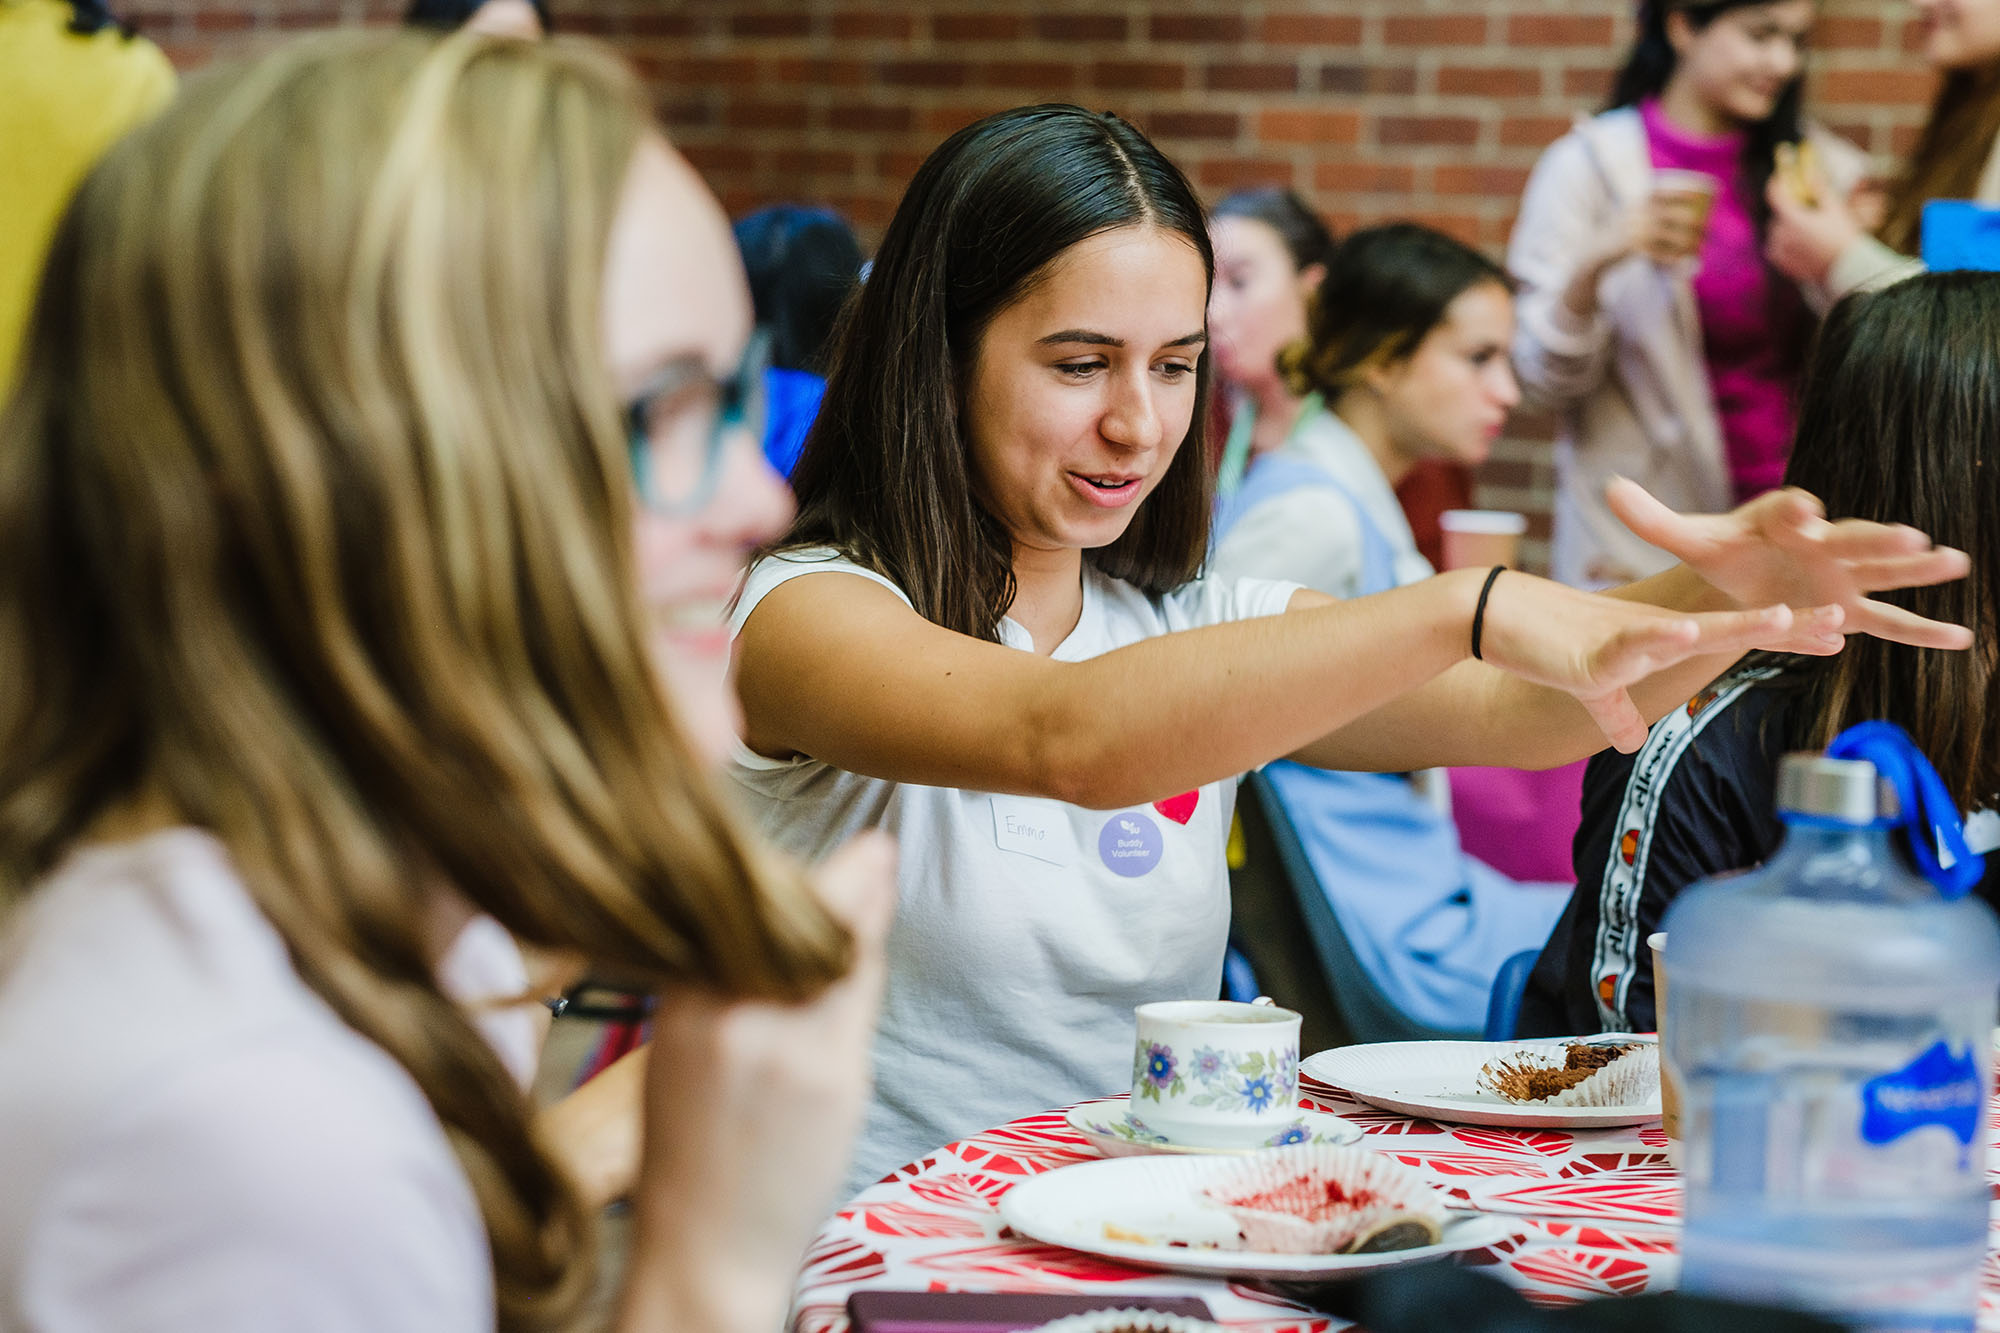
x=325 y=654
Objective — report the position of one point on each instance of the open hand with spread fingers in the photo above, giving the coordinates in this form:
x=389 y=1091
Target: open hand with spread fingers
x=1780 y=548
x=1595 y=648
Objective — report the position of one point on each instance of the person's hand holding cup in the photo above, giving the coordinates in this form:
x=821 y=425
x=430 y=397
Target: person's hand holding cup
x=1669 y=226
x=1666 y=227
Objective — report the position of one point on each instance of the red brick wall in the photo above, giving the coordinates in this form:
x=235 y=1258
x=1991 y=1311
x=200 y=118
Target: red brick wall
x=1371 y=108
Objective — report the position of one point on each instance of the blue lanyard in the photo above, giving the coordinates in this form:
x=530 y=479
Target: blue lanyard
x=1928 y=817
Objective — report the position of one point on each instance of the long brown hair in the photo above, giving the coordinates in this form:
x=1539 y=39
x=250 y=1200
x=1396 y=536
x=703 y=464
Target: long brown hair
x=886 y=477
x=1950 y=155
x=1899 y=422
x=314 y=521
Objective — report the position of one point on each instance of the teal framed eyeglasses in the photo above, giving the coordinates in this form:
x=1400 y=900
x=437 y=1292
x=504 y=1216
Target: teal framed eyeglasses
x=677 y=427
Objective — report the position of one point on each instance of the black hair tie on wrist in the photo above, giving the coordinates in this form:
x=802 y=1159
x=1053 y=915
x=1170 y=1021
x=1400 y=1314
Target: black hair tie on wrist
x=1479 y=611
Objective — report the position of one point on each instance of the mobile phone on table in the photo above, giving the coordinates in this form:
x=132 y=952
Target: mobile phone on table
x=995 y=1311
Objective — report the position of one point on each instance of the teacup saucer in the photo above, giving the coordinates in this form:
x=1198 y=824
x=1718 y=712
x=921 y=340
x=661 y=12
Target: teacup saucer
x=1110 y=1128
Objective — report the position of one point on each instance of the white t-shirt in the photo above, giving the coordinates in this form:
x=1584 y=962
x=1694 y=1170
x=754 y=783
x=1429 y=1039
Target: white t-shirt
x=1026 y=929
x=193 y=1139
x=1291 y=531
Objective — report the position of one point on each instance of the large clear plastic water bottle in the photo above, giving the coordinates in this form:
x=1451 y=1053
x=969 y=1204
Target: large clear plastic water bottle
x=1829 y=1026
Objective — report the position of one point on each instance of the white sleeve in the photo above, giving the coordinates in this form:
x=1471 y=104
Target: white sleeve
x=1293 y=536
x=268 y=1188
x=1867 y=264
x=767 y=575
x=1218 y=601
x=1565 y=212
x=774 y=571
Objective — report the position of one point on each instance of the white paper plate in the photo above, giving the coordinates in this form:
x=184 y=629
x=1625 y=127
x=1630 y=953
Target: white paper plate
x=1438 y=1080
x=1109 y=1128
x=1159 y=1198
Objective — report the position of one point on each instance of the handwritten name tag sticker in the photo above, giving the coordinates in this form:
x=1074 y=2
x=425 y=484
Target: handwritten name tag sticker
x=1130 y=844
x=1034 y=828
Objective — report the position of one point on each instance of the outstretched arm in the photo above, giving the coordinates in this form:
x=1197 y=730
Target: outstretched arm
x=1776 y=549
x=834 y=666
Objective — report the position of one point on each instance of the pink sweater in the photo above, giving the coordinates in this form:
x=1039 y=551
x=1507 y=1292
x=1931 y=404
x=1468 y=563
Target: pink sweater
x=1751 y=319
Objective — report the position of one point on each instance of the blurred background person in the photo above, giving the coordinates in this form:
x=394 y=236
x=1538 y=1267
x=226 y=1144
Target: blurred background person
x=1404 y=358
x=1649 y=316
x=72 y=80
x=1849 y=241
x=336 y=644
x=803 y=264
x=1271 y=249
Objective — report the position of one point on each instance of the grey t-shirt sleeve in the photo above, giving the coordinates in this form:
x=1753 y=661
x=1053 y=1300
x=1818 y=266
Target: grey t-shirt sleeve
x=262 y=1189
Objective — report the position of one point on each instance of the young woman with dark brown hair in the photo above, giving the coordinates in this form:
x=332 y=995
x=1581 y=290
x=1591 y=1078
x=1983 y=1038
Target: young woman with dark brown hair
x=987 y=630
x=1900 y=423
x=1407 y=347
x=1271 y=251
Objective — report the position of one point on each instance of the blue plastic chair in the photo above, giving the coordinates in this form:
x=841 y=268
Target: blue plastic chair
x=1503 y=1011
x=1239 y=979
x=1364 y=1012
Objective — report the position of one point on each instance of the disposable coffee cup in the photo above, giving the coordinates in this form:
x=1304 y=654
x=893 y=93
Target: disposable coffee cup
x=1216 y=1073
x=1697 y=188
x=1481 y=538
x=1670 y=1099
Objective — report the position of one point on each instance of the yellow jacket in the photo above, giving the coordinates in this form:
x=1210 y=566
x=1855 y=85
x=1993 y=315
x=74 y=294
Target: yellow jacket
x=68 y=98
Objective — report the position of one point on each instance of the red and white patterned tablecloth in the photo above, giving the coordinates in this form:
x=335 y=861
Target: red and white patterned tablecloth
x=1598 y=1212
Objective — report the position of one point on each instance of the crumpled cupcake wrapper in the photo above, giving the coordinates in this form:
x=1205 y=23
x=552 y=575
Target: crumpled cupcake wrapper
x=1296 y=1179
x=1633 y=1079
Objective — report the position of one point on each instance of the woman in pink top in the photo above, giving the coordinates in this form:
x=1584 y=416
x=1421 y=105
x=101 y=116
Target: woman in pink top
x=1649 y=315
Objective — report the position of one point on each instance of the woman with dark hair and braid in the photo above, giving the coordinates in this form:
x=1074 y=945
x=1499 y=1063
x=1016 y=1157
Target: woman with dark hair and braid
x=1648 y=315
x=1271 y=252
x=1406 y=347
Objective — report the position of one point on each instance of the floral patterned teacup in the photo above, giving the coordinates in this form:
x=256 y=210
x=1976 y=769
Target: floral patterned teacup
x=1215 y=1073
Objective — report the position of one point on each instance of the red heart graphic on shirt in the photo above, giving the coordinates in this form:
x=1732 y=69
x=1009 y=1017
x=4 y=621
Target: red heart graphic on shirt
x=1180 y=808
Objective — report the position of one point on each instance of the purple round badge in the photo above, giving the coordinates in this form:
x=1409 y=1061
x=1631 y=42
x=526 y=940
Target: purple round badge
x=1130 y=844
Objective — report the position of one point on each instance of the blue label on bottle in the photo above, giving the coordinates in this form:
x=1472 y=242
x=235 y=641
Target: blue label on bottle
x=1936 y=1088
